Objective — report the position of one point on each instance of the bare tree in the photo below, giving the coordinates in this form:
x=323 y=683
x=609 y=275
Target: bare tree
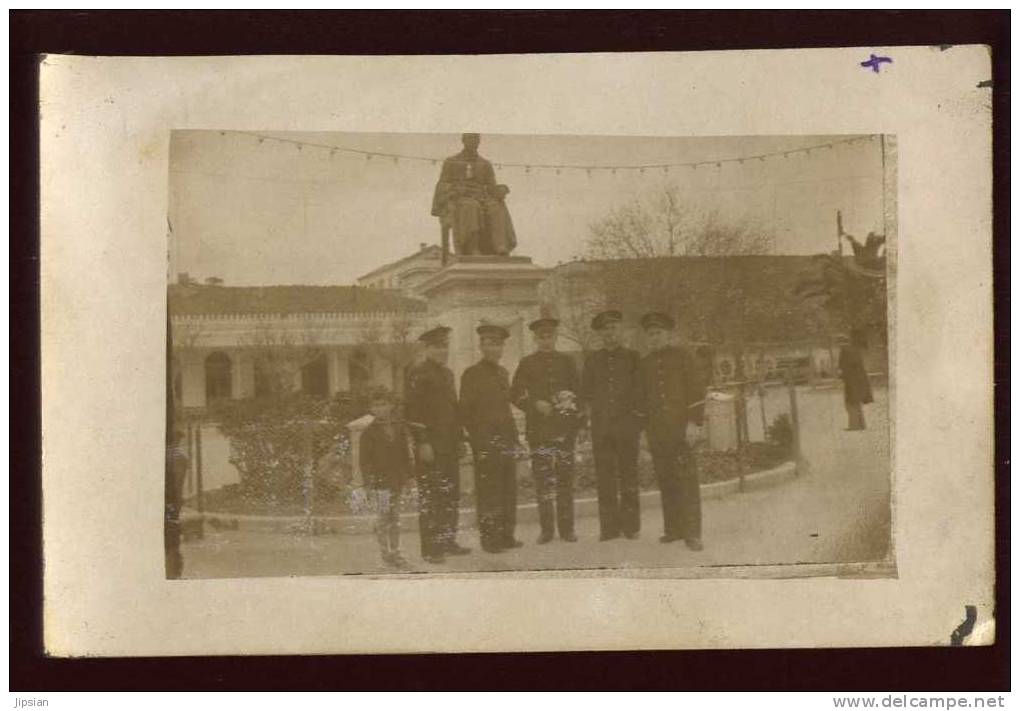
x=633 y=246
x=279 y=355
x=400 y=348
x=393 y=342
x=576 y=298
x=716 y=237
x=663 y=224
x=186 y=334
x=370 y=334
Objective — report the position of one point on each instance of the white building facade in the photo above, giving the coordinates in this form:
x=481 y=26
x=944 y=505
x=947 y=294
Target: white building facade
x=230 y=344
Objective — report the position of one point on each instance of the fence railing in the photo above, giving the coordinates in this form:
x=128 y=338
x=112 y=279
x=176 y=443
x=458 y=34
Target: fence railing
x=742 y=413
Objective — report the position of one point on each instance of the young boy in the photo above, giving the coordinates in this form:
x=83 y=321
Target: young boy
x=385 y=462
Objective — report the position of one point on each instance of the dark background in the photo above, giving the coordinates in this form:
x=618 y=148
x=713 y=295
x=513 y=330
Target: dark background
x=469 y=32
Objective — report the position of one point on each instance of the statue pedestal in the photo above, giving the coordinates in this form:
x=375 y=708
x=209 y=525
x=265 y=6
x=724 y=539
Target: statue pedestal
x=502 y=290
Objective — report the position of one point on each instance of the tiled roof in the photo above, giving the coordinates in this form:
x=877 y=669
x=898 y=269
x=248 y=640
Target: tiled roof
x=204 y=300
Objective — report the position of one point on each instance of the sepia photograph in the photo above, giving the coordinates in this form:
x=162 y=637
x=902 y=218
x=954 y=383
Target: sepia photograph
x=516 y=353
x=406 y=354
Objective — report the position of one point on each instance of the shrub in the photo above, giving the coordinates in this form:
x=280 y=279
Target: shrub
x=271 y=439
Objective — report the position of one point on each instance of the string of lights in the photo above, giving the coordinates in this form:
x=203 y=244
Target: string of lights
x=396 y=158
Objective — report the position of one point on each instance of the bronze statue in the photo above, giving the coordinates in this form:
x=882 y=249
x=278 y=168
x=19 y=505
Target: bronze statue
x=470 y=203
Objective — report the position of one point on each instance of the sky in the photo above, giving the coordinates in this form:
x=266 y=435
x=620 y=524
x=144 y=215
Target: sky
x=257 y=212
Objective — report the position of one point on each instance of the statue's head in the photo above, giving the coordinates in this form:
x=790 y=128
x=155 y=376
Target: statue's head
x=471 y=140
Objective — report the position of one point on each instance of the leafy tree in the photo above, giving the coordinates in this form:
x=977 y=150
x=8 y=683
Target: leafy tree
x=852 y=291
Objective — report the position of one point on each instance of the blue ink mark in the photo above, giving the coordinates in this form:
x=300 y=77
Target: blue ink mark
x=874 y=62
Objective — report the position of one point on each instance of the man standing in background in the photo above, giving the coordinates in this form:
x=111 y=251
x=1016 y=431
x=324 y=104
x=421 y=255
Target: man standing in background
x=611 y=385
x=674 y=401
x=435 y=424
x=545 y=387
x=856 y=386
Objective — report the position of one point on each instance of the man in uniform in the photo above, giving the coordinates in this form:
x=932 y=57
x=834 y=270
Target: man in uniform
x=485 y=412
x=611 y=385
x=674 y=401
x=545 y=387
x=432 y=414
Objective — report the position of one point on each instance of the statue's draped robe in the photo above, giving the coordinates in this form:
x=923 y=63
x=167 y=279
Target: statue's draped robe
x=468 y=201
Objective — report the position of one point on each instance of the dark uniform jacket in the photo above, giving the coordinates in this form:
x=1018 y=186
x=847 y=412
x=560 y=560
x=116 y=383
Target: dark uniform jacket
x=540 y=376
x=611 y=385
x=485 y=405
x=385 y=460
x=673 y=392
x=431 y=407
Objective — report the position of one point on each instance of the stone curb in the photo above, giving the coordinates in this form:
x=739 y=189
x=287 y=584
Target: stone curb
x=526 y=513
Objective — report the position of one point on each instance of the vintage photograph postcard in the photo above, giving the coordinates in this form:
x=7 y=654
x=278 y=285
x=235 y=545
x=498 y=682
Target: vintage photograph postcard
x=438 y=353
x=517 y=353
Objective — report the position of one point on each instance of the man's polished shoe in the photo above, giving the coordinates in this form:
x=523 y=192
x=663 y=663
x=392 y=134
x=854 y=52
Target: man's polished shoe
x=569 y=538
x=609 y=536
x=668 y=538
x=545 y=538
x=694 y=544
x=632 y=536
x=513 y=543
x=435 y=559
x=457 y=549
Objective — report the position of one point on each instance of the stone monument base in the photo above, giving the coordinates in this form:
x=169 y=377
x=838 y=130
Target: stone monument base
x=469 y=290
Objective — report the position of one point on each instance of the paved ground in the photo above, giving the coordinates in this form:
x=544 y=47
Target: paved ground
x=837 y=512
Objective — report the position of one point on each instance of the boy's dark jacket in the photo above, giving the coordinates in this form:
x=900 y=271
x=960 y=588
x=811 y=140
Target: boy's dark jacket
x=385 y=463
